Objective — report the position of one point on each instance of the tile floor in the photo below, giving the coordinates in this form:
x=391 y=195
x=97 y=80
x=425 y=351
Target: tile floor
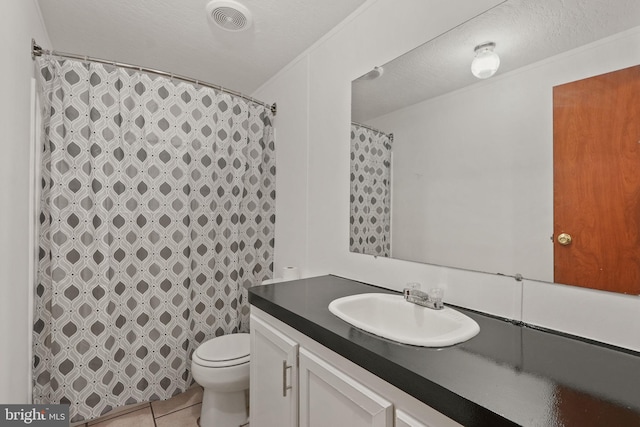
x=180 y=411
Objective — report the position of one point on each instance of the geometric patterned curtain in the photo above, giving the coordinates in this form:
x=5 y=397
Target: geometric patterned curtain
x=370 y=221
x=157 y=208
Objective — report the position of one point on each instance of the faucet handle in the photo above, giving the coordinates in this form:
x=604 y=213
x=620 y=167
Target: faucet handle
x=410 y=288
x=414 y=286
x=436 y=295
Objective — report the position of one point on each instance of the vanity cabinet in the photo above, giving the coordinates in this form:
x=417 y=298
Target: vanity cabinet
x=329 y=397
x=296 y=381
x=402 y=419
x=508 y=375
x=274 y=377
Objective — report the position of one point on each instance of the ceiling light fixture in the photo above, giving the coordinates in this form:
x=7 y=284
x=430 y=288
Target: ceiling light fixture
x=373 y=74
x=486 y=62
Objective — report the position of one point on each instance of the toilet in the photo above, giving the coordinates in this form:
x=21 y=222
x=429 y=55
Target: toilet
x=221 y=366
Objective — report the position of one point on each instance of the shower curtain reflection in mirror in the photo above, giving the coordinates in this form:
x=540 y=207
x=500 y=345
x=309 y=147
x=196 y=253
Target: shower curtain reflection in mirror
x=157 y=207
x=370 y=204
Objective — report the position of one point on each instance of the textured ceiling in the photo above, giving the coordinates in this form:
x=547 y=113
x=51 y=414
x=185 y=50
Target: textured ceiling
x=525 y=31
x=176 y=36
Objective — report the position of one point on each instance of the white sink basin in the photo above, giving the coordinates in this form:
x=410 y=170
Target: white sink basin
x=391 y=317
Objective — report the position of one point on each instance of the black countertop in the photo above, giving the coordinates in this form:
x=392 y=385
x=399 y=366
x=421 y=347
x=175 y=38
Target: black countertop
x=509 y=374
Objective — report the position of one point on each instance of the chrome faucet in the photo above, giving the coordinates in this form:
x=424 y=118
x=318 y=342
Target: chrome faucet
x=416 y=296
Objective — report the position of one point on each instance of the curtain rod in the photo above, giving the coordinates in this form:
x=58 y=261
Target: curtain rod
x=390 y=135
x=36 y=50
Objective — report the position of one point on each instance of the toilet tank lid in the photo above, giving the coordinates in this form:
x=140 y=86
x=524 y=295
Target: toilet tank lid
x=225 y=348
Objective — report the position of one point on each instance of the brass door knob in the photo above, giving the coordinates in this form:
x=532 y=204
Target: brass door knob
x=564 y=239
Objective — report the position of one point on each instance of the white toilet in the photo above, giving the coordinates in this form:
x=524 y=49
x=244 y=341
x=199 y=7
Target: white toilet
x=221 y=366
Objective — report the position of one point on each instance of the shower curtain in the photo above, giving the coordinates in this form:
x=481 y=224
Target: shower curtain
x=370 y=221
x=157 y=209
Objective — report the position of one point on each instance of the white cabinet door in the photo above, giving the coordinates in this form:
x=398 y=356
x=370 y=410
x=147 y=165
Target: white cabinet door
x=405 y=420
x=330 y=398
x=274 y=377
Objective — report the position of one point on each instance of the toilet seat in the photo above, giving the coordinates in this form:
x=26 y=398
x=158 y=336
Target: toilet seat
x=223 y=351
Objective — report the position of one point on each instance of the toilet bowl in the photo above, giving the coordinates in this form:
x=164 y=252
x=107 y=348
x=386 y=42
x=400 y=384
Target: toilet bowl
x=221 y=366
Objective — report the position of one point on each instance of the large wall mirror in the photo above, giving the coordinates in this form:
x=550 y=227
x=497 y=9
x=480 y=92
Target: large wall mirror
x=453 y=170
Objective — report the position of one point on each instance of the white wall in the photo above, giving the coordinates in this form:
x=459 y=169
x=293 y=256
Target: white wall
x=378 y=32
x=291 y=166
x=19 y=22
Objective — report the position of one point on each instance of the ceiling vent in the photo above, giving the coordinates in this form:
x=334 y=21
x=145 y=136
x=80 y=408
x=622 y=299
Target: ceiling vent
x=229 y=15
